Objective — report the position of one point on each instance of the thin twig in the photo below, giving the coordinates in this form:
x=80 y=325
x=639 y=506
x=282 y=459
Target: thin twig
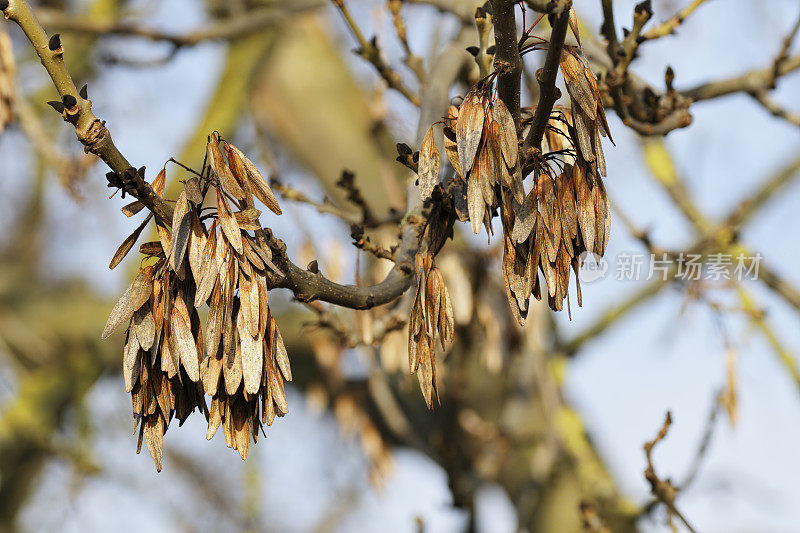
x=548 y=92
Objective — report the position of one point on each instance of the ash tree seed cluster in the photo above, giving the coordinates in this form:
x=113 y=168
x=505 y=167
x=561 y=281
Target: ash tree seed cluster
x=171 y=359
x=564 y=213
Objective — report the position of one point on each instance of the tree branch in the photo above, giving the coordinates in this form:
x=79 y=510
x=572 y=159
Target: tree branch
x=507 y=61
x=548 y=92
x=750 y=82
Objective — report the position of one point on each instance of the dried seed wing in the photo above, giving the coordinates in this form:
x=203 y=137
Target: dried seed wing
x=469 y=129
x=232 y=369
x=145 y=326
x=184 y=341
x=585 y=207
x=524 y=218
x=573 y=25
x=475 y=201
x=197 y=245
x=215 y=319
x=247 y=219
x=258 y=184
x=220 y=167
x=210 y=269
x=451 y=149
x=160 y=182
x=598 y=153
x=278 y=393
x=165 y=238
x=577 y=85
x=193 y=193
x=229 y=226
x=583 y=133
x=181 y=229
x=132 y=208
x=428 y=165
x=252 y=358
x=128 y=243
x=214 y=418
x=130 y=362
x=239 y=171
x=210 y=373
x=132 y=299
x=508 y=134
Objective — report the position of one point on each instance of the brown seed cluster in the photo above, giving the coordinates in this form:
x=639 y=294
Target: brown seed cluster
x=566 y=211
x=239 y=359
x=480 y=141
x=431 y=318
x=7 y=80
x=588 y=117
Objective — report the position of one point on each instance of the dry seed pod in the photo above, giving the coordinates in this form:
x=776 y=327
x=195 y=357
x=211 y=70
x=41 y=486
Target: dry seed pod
x=524 y=218
x=469 y=128
x=475 y=201
x=228 y=223
x=577 y=85
x=258 y=185
x=220 y=167
x=134 y=297
x=585 y=207
x=159 y=183
x=573 y=25
x=428 y=165
x=181 y=229
x=128 y=243
x=132 y=208
x=508 y=133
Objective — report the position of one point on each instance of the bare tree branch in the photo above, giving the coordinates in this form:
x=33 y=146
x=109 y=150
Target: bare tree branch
x=548 y=92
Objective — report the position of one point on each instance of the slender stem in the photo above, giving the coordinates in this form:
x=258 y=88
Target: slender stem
x=548 y=92
x=507 y=61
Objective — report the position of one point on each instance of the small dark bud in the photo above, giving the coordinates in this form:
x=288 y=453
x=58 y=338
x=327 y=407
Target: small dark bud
x=3 y=5
x=55 y=42
x=141 y=171
x=356 y=232
x=84 y=92
x=669 y=77
x=58 y=106
x=625 y=32
x=374 y=41
x=69 y=101
x=491 y=50
x=473 y=50
x=313 y=266
x=479 y=13
x=487 y=7
x=403 y=149
x=645 y=7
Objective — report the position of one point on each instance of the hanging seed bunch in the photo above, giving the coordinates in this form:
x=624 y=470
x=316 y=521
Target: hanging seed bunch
x=239 y=359
x=431 y=319
x=481 y=143
x=565 y=210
